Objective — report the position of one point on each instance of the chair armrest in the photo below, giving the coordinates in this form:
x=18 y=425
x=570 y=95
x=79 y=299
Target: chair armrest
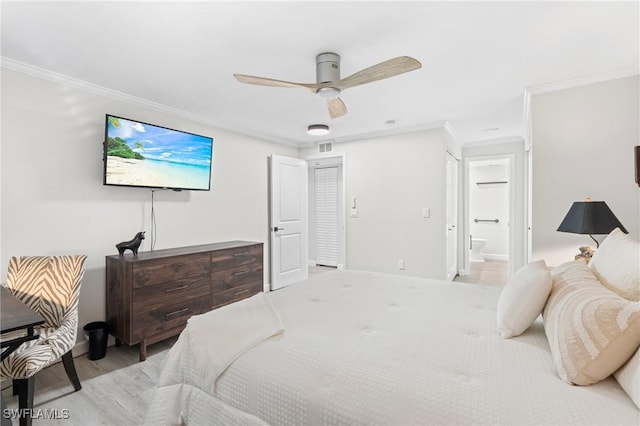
x=62 y=338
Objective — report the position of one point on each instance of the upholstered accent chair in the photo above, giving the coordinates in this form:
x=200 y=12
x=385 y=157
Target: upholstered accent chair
x=50 y=285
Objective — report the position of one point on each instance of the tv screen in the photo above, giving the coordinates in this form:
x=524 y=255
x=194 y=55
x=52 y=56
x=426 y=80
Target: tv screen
x=151 y=156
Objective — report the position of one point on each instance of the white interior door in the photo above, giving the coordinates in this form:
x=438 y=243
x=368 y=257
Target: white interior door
x=288 y=220
x=452 y=217
x=327 y=205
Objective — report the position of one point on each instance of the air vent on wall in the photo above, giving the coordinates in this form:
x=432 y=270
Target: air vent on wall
x=325 y=147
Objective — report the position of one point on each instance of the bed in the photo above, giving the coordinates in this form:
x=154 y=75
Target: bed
x=357 y=347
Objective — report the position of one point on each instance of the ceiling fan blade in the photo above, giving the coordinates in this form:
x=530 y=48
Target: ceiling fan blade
x=261 y=81
x=386 y=69
x=336 y=107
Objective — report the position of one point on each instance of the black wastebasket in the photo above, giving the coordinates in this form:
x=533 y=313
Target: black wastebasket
x=98 y=333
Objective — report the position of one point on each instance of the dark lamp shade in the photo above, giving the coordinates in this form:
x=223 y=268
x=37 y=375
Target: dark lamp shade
x=590 y=217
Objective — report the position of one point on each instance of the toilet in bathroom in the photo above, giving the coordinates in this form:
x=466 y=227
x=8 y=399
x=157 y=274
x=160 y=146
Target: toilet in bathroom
x=477 y=245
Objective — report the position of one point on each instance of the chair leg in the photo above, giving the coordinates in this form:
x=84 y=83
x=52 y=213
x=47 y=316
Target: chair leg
x=25 y=399
x=15 y=387
x=70 y=368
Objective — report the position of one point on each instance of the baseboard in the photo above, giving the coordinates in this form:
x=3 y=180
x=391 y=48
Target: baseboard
x=311 y=263
x=80 y=348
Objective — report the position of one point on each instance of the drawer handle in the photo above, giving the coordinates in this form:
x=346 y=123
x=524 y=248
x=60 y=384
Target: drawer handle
x=168 y=316
x=241 y=273
x=244 y=253
x=176 y=289
x=241 y=292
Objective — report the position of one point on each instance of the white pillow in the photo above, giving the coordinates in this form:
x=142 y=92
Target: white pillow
x=628 y=376
x=616 y=263
x=523 y=299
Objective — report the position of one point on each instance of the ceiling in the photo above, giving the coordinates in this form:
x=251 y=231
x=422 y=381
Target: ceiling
x=478 y=58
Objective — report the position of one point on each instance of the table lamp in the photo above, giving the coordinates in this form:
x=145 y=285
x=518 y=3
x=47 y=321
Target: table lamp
x=590 y=217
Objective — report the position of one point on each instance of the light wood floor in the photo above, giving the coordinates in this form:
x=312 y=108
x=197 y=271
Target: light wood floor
x=489 y=272
x=116 y=390
x=315 y=270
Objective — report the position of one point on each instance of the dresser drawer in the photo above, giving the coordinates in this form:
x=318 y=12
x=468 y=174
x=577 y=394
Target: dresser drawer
x=160 y=271
x=232 y=258
x=153 y=297
x=225 y=297
x=166 y=317
x=238 y=276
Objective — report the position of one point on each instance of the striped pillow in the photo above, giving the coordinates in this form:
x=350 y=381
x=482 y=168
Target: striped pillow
x=591 y=330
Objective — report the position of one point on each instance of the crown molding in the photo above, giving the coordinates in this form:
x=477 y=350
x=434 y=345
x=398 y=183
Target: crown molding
x=497 y=141
x=582 y=81
x=449 y=128
x=565 y=84
x=33 y=71
x=391 y=132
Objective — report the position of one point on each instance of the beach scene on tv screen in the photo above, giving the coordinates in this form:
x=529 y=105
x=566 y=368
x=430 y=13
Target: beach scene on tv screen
x=141 y=154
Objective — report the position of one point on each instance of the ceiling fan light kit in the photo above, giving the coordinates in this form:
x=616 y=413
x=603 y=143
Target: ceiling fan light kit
x=318 y=129
x=328 y=92
x=329 y=84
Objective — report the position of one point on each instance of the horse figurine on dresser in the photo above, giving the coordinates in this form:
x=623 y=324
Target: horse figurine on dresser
x=132 y=244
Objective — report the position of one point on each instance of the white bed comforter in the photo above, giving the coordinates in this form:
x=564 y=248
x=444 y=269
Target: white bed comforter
x=369 y=348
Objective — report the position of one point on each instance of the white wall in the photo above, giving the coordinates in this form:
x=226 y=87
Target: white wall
x=393 y=178
x=488 y=202
x=583 y=141
x=53 y=200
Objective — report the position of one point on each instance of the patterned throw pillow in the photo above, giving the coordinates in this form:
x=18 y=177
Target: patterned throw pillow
x=591 y=330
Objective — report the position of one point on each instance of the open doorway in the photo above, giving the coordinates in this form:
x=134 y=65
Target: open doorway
x=488 y=216
x=327 y=240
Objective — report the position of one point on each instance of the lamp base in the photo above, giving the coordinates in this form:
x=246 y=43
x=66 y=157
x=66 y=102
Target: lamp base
x=586 y=253
x=585 y=258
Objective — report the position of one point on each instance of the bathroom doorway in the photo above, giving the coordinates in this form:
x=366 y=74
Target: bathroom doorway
x=488 y=216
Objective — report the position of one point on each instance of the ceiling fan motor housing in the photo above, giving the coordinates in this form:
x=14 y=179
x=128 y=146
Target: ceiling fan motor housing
x=327 y=67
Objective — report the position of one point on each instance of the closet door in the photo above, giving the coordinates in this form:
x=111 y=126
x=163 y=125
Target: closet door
x=326 y=215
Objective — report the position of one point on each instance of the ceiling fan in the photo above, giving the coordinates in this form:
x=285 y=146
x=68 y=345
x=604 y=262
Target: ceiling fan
x=329 y=84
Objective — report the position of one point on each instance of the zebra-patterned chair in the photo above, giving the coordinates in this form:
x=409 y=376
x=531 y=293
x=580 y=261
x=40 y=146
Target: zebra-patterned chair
x=50 y=285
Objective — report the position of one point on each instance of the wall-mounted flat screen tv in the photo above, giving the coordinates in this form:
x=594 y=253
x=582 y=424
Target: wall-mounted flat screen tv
x=151 y=156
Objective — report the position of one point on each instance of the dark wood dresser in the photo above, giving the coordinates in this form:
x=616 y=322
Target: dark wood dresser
x=151 y=296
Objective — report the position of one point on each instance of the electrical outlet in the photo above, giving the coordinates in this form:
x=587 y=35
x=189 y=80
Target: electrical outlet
x=400 y=263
